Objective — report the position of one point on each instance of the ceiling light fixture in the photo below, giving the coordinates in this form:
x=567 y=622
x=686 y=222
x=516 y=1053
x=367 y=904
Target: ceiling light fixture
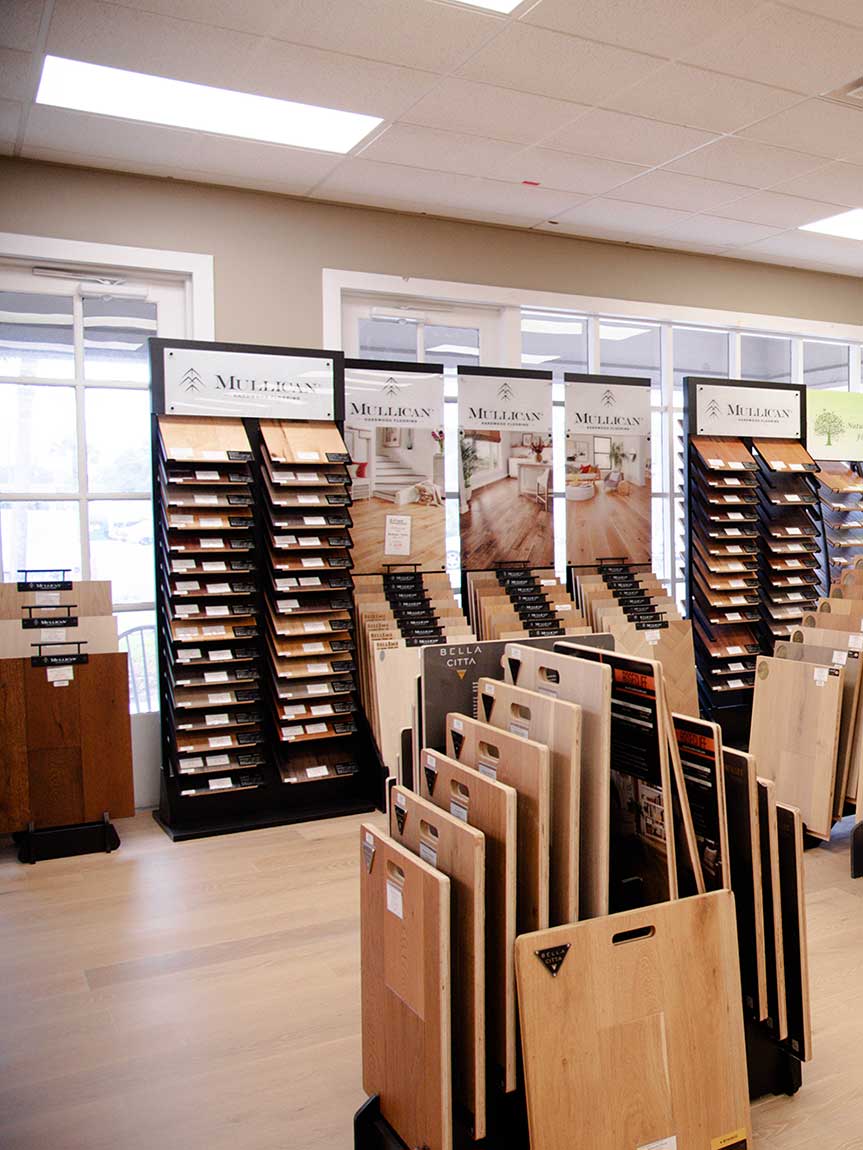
x=454 y=349
x=534 y=360
x=551 y=326
x=115 y=92
x=607 y=331
x=847 y=225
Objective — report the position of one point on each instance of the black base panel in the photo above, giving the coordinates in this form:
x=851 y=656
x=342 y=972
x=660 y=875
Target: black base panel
x=270 y=818
x=38 y=844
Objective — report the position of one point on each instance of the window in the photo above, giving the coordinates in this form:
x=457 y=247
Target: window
x=602 y=452
x=552 y=339
x=75 y=445
x=827 y=366
x=765 y=357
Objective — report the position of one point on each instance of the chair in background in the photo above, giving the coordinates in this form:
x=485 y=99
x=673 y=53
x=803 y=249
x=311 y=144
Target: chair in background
x=543 y=484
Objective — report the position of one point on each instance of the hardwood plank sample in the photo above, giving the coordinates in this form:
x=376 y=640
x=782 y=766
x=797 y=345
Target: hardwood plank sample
x=99 y=632
x=90 y=598
x=611 y=1001
x=309 y=441
x=589 y=685
x=700 y=745
x=774 y=950
x=795 y=735
x=785 y=455
x=14 y=773
x=491 y=808
x=106 y=737
x=741 y=803
x=792 y=888
x=405 y=951
x=458 y=851
x=720 y=454
x=556 y=724
x=669 y=643
x=523 y=765
x=203 y=439
x=56 y=792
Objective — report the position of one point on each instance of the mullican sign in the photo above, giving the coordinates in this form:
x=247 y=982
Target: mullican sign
x=499 y=403
x=593 y=409
x=773 y=413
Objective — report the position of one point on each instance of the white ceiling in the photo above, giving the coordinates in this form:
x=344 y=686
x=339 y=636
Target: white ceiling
x=691 y=124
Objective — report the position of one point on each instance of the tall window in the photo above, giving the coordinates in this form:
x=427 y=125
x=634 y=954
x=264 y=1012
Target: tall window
x=765 y=357
x=826 y=365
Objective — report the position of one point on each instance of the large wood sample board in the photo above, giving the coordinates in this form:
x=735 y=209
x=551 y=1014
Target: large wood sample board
x=614 y=1054
x=458 y=851
x=588 y=685
x=405 y=941
x=670 y=643
x=795 y=735
x=699 y=744
x=774 y=948
x=556 y=724
x=524 y=765
x=489 y=806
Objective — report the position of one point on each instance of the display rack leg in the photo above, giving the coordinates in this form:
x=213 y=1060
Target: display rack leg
x=38 y=844
x=507 y=1127
x=772 y=1070
x=857 y=851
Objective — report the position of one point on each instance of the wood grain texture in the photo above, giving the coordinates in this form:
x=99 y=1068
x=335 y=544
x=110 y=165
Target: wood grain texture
x=798 y=753
x=785 y=455
x=556 y=724
x=699 y=743
x=774 y=949
x=523 y=765
x=789 y=827
x=458 y=851
x=529 y=530
x=588 y=685
x=99 y=632
x=723 y=454
x=405 y=945
x=672 y=646
x=90 y=598
x=304 y=442
x=491 y=808
x=201 y=438
x=14 y=778
x=106 y=737
x=621 y=1011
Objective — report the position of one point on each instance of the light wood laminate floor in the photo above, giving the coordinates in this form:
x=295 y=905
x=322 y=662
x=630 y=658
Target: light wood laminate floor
x=501 y=524
x=611 y=524
x=428 y=545
x=205 y=996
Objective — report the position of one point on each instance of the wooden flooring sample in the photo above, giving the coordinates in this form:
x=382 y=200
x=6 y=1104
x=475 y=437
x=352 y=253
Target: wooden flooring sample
x=203 y=439
x=589 y=685
x=458 y=851
x=405 y=950
x=312 y=441
x=700 y=746
x=785 y=455
x=89 y=597
x=795 y=735
x=491 y=808
x=670 y=644
x=615 y=1057
x=721 y=454
x=789 y=827
x=14 y=771
x=741 y=803
x=524 y=765
x=556 y=724
x=774 y=950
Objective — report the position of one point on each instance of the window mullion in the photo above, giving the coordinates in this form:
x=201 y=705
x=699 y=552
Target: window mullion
x=81 y=434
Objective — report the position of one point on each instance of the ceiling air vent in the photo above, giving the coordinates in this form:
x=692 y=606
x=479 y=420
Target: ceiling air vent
x=851 y=95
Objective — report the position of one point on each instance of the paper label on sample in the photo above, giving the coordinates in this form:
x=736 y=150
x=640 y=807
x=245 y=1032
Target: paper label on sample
x=218 y=760
x=317 y=772
x=458 y=811
x=317 y=689
x=395 y=900
x=215 y=677
x=47 y=598
x=428 y=854
x=53 y=635
x=60 y=674
x=217 y=565
x=189 y=654
x=219 y=720
x=308 y=456
x=669 y=1143
x=840 y=658
x=219 y=656
x=317 y=669
x=313 y=648
x=855 y=642
x=213 y=544
x=207 y=476
x=219 y=784
x=205 y=500
x=220 y=741
x=182 y=564
x=219 y=697
x=312 y=561
x=819 y=674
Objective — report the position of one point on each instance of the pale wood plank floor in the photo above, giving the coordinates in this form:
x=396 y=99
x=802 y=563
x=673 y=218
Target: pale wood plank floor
x=205 y=995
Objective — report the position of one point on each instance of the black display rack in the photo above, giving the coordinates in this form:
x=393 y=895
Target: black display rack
x=259 y=793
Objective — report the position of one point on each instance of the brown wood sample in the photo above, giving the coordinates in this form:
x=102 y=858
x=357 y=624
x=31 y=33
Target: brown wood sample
x=777 y=1015
x=405 y=949
x=458 y=851
x=312 y=441
x=14 y=774
x=609 y=1002
x=723 y=454
x=203 y=439
x=798 y=751
x=556 y=724
x=789 y=826
x=524 y=765
x=491 y=808
x=699 y=743
x=106 y=738
x=89 y=597
x=785 y=455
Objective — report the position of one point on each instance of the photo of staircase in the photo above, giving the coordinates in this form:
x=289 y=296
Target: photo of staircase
x=394 y=480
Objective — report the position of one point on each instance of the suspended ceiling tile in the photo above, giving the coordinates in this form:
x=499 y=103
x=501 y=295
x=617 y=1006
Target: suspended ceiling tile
x=120 y=37
x=634 y=139
x=684 y=95
x=443 y=151
x=716 y=231
x=836 y=183
x=486 y=110
x=617 y=218
x=746 y=162
x=820 y=127
x=10 y=119
x=19 y=23
x=781 y=46
x=15 y=77
x=563 y=67
x=778 y=210
x=663 y=27
x=585 y=174
x=672 y=190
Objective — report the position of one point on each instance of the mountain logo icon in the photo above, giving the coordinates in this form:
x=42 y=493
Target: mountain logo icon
x=713 y=410
x=191 y=381
x=608 y=399
x=504 y=391
x=391 y=388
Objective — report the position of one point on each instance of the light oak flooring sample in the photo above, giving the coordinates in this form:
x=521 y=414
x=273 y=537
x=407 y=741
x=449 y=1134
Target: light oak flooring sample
x=610 y=1002
x=203 y=439
x=500 y=523
x=89 y=597
x=672 y=646
x=405 y=944
x=795 y=735
x=309 y=441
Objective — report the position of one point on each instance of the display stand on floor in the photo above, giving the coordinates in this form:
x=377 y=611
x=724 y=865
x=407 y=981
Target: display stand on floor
x=37 y=844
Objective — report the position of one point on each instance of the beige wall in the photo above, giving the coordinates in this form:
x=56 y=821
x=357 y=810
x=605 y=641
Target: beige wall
x=269 y=251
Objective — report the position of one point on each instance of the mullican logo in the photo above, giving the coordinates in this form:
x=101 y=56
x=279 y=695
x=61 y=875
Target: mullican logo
x=392 y=388
x=505 y=391
x=191 y=381
x=608 y=399
x=713 y=411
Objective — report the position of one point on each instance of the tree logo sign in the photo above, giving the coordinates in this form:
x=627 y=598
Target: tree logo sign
x=829 y=424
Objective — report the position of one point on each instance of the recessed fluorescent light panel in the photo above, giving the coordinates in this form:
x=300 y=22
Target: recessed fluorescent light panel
x=454 y=349
x=618 y=332
x=848 y=225
x=177 y=104
x=504 y=6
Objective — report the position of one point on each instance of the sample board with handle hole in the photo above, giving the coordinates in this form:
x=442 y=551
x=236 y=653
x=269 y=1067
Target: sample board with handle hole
x=556 y=724
x=405 y=950
x=615 y=1053
x=741 y=802
x=458 y=851
x=489 y=806
x=589 y=685
x=789 y=828
x=524 y=765
x=798 y=753
x=671 y=645
x=774 y=948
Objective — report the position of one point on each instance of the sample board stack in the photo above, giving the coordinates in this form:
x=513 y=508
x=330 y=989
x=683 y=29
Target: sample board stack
x=620 y=594
x=64 y=706
x=841 y=491
x=515 y=601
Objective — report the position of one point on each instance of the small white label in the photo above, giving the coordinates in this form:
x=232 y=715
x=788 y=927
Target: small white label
x=736 y=465
x=192 y=764
x=309 y=541
x=292 y=710
x=206 y=500
x=735 y=550
x=308 y=456
x=60 y=674
x=220 y=784
x=314 y=521
x=207 y=476
x=734 y=616
x=819 y=674
x=215 y=677
x=793 y=498
x=217 y=609
x=210 y=521
x=214 y=565
x=737 y=600
x=312 y=561
x=285 y=584
x=319 y=709
x=669 y=1143
x=840 y=658
x=316 y=728
x=736 y=583
x=181 y=453
x=293 y=732
x=395 y=901
x=219 y=588
x=212 y=456
x=487 y=769
x=53 y=634
x=213 y=631
x=181 y=520
x=317 y=689
x=795 y=530
x=218 y=720
x=218 y=760
x=285 y=540
x=315 y=625
x=317 y=668
x=189 y=654
x=308 y=499
x=317 y=772
x=736 y=667
x=732 y=482
x=310 y=580
x=735 y=531
x=397 y=535
x=313 y=648
x=218 y=697
x=47 y=598
x=714 y=462
x=457 y=725
x=855 y=642
x=563 y=607
x=220 y=656
x=736 y=683
x=652 y=637
x=182 y=564
x=186 y=609
x=186 y=585
x=187 y=632
x=488 y=689
x=213 y=544
x=778 y=464
x=796 y=466
x=287 y=604
x=735 y=515
x=428 y=854
x=220 y=741
x=458 y=810
x=735 y=651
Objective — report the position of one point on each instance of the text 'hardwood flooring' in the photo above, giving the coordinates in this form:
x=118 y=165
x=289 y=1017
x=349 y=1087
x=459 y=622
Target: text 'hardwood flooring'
x=206 y=996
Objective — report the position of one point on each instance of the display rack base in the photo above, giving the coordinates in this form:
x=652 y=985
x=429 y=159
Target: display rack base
x=38 y=844
x=182 y=832
x=771 y=1068
x=857 y=851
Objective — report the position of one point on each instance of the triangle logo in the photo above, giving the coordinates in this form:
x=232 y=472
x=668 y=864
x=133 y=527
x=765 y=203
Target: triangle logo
x=457 y=743
x=431 y=778
x=487 y=704
x=461 y=674
x=552 y=957
x=401 y=818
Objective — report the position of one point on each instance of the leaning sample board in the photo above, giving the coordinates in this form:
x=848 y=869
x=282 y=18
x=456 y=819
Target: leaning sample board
x=795 y=735
x=556 y=724
x=458 y=851
x=789 y=826
x=589 y=685
x=774 y=946
x=699 y=744
x=489 y=806
x=668 y=642
x=524 y=765
x=614 y=1054
x=405 y=954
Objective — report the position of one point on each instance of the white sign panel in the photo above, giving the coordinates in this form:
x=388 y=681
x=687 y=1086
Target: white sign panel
x=502 y=403
x=400 y=399
x=761 y=412
x=398 y=535
x=613 y=409
x=241 y=384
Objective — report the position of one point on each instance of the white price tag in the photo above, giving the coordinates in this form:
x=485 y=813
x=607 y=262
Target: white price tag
x=319 y=709
x=47 y=599
x=315 y=625
x=309 y=541
x=317 y=772
x=652 y=637
x=735 y=651
x=53 y=635
x=313 y=648
x=214 y=456
x=428 y=854
x=219 y=720
x=215 y=677
x=307 y=500
x=312 y=561
x=219 y=697
x=310 y=581
x=317 y=668
x=213 y=544
x=457 y=810
x=206 y=500
x=855 y=642
x=207 y=476
x=60 y=674
x=217 y=609
x=317 y=689
x=220 y=656
x=219 y=588
x=819 y=674
x=795 y=530
x=218 y=760
x=214 y=565
x=314 y=521
x=220 y=741
x=220 y=784
x=840 y=658
x=189 y=654
x=182 y=564
x=395 y=899
x=213 y=631
x=316 y=728
x=287 y=604
x=308 y=456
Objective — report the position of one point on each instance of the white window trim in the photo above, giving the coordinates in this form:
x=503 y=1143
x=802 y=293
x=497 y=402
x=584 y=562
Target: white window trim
x=195 y=268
